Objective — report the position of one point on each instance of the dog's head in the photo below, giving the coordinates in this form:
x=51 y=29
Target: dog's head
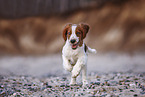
x=75 y=34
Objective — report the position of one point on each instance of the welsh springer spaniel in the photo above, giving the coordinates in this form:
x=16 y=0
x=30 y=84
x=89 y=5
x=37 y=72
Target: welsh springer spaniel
x=75 y=51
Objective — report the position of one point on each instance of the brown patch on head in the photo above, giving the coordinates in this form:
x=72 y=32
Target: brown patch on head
x=85 y=29
x=67 y=31
x=81 y=31
x=80 y=35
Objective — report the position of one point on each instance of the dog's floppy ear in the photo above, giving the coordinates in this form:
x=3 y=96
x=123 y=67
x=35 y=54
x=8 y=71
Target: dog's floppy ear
x=85 y=28
x=66 y=30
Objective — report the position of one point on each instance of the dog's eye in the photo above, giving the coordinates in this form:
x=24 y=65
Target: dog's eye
x=69 y=33
x=78 y=33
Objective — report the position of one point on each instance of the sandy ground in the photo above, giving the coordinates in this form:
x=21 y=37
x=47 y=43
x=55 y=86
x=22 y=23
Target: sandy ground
x=52 y=64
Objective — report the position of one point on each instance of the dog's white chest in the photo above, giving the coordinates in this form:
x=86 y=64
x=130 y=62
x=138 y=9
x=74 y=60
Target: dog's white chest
x=70 y=54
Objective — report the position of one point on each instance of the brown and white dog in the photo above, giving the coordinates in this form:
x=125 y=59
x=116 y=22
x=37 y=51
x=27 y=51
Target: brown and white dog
x=75 y=52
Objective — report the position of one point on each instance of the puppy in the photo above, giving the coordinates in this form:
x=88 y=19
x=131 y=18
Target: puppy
x=75 y=51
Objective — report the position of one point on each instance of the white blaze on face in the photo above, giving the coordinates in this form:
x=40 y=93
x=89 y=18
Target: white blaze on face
x=73 y=35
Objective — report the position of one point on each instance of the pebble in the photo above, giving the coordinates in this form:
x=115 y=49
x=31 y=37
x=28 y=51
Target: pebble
x=97 y=83
x=49 y=86
x=62 y=85
x=15 y=94
x=143 y=92
x=132 y=90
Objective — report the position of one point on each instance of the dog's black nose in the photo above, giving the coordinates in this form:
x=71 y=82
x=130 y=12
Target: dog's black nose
x=73 y=41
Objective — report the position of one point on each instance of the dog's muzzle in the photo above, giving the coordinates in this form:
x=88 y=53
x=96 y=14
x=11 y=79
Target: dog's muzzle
x=74 y=44
x=73 y=41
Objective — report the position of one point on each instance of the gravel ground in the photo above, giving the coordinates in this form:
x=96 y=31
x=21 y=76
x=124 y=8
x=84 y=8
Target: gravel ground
x=115 y=84
x=109 y=75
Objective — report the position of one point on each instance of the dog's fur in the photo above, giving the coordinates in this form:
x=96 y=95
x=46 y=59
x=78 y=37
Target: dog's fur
x=75 y=51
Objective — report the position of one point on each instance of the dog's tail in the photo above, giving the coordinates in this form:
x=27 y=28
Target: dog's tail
x=90 y=50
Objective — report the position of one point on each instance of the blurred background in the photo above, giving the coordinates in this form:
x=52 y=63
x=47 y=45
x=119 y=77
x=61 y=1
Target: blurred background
x=31 y=33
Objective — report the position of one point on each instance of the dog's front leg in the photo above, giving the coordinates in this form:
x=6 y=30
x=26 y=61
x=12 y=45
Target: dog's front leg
x=66 y=65
x=77 y=68
x=75 y=72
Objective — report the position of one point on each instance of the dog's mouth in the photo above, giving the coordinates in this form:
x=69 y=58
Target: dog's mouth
x=75 y=45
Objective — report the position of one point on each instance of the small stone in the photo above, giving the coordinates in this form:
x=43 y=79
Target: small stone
x=77 y=87
x=49 y=86
x=71 y=87
x=108 y=84
x=66 y=89
x=136 y=79
x=127 y=80
x=63 y=93
x=132 y=85
x=98 y=76
x=120 y=89
x=97 y=83
x=14 y=94
x=2 y=86
x=135 y=95
x=92 y=83
x=64 y=78
x=93 y=87
x=90 y=86
x=104 y=90
x=45 y=83
x=18 y=90
x=25 y=84
x=102 y=84
x=136 y=83
x=127 y=77
x=2 y=92
x=113 y=83
x=104 y=95
x=143 y=92
x=82 y=94
x=14 y=79
x=45 y=90
x=98 y=79
x=126 y=87
x=7 y=81
x=67 y=86
x=132 y=90
x=62 y=85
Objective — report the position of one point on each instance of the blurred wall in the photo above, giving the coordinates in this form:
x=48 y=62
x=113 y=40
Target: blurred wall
x=23 y=8
x=35 y=26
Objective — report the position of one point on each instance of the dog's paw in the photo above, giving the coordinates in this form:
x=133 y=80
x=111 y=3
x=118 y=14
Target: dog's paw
x=76 y=70
x=73 y=81
x=75 y=73
x=85 y=82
